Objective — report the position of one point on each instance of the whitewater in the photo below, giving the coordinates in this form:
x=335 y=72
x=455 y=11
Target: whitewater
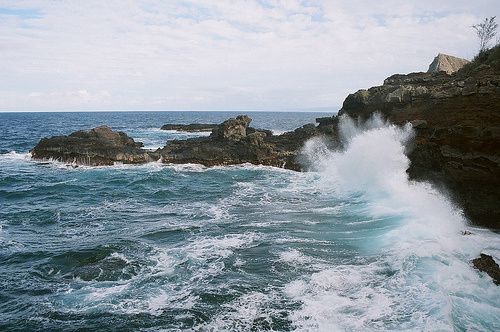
x=350 y=245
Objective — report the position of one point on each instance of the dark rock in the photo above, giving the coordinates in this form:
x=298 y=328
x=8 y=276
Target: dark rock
x=98 y=147
x=486 y=263
x=231 y=142
x=193 y=127
x=325 y=121
x=419 y=124
x=234 y=142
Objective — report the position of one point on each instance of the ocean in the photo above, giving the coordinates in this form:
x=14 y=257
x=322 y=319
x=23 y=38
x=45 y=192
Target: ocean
x=350 y=245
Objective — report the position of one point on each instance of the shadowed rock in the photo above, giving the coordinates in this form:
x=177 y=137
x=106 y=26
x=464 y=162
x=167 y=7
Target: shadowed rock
x=234 y=142
x=98 y=147
x=486 y=263
x=231 y=142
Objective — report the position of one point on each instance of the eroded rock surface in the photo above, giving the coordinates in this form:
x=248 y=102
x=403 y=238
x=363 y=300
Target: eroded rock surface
x=100 y=146
x=447 y=63
x=486 y=263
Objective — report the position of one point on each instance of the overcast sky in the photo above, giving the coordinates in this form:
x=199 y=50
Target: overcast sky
x=218 y=54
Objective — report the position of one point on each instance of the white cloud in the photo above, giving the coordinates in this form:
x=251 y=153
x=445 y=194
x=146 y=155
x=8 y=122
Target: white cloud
x=219 y=54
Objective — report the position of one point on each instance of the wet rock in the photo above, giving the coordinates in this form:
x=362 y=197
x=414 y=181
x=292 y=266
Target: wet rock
x=98 y=147
x=486 y=263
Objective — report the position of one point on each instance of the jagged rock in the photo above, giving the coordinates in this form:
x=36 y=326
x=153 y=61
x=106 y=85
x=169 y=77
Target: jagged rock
x=486 y=263
x=193 y=127
x=234 y=142
x=232 y=129
x=98 y=147
x=447 y=63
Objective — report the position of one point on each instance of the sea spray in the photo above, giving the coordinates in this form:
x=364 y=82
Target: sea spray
x=420 y=263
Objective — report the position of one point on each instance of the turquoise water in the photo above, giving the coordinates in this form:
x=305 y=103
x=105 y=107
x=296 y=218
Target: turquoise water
x=351 y=245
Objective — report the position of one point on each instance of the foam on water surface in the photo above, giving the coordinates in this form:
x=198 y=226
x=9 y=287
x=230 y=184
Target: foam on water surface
x=350 y=245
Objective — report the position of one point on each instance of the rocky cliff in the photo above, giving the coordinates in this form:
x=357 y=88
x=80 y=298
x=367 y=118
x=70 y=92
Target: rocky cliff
x=457 y=122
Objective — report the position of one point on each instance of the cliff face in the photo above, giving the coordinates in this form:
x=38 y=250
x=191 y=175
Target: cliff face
x=457 y=123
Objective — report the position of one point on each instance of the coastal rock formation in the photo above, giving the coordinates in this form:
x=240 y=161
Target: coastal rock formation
x=100 y=146
x=457 y=123
x=456 y=119
x=231 y=142
x=447 y=63
x=234 y=142
x=486 y=263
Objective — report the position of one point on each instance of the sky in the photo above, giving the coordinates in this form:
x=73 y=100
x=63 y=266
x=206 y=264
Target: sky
x=220 y=54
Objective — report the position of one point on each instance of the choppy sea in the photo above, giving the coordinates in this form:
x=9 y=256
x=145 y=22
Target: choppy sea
x=351 y=245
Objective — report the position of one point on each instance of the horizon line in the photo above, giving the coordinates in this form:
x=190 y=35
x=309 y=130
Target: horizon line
x=304 y=110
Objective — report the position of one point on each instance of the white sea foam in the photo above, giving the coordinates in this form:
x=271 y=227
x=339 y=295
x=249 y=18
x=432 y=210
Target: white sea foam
x=422 y=274
x=14 y=155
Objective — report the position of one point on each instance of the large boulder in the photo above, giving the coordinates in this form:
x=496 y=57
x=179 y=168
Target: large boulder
x=97 y=147
x=447 y=63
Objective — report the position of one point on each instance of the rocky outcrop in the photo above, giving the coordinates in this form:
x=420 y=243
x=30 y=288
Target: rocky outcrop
x=100 y=146
x=232 y=129
x=447 y=63
x=457 y=123
x=486 y=263
x=234 y=142
x=193 y=127
x=231 y=142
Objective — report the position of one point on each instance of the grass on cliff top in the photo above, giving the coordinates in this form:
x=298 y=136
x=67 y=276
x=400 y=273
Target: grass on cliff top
x=489 y=57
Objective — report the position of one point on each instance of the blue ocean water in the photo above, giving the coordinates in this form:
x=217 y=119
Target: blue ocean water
x=351 y=245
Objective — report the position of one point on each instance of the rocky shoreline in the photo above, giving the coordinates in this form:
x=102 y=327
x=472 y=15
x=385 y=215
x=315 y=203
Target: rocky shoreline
x=456 y=118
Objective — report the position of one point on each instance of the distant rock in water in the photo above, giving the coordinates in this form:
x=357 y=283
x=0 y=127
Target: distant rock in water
x=486 y=263
x=100 y=146
x=231 y=142
x=234 y=142
x=193 y=127
x=446 y=63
